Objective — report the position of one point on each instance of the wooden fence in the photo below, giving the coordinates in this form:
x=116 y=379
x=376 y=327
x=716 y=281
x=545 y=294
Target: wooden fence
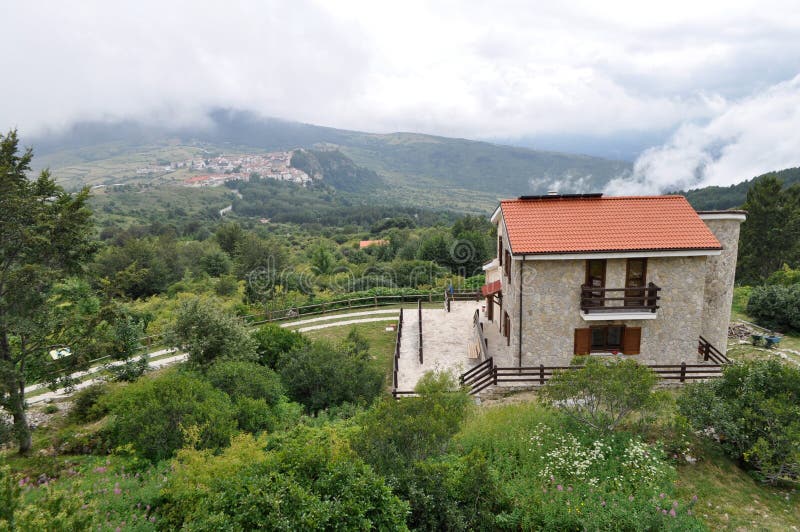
x=343 y=304
x=419 y=320
x=397 y=339
x=460 y=295
x=485 y=374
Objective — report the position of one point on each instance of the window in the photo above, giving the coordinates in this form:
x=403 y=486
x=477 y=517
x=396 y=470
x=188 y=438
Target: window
x=507 y=266
x=635 y=280
x=605 y=338
x=595 y=279
x=500 y=249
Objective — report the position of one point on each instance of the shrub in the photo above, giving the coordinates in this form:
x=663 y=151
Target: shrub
x=308 y=479
x=776 y=306
x=452 y=493
x=397 y=433
x=602 y=394
x=54 y=510
x=754 y=411
x=86 y=404
x=319 y=376
x=246 y=379
x=255 y=415
x=272 y=341
x=564 y=476
x=208 y=334
x=153 y=414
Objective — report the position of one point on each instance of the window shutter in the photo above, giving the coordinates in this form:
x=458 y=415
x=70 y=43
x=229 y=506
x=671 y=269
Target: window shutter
x=583 y=341
x=631 y=340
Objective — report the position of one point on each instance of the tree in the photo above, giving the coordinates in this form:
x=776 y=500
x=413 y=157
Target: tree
x=769 y=235
x=209 y=334
x=602 y=394
x=44 y=237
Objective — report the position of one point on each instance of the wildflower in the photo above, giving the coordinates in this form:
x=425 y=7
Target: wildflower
x=672 y=512
x=664 y=512
x=662 y=495
x=694 y=498
x=603 y=503
x=630 y=498
x=100 y=469
x=569 y=488
x=688 y=512
x=153 y=519
x=675 y=504
x=560 y=487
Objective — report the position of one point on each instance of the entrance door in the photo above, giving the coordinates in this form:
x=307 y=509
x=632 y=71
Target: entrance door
x=596 y=278
x=635 y=281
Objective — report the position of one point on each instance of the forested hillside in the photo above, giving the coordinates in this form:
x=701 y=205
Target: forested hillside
x=734 y=196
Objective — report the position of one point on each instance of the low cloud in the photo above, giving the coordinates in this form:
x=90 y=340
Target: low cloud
x=749 y=137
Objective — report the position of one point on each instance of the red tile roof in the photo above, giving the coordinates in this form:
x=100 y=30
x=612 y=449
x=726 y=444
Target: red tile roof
x=633 y=223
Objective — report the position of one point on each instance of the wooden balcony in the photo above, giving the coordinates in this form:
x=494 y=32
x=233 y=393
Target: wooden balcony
x=601 y=300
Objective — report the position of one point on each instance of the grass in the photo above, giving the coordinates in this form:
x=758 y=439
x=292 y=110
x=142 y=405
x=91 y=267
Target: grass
x=729 y=499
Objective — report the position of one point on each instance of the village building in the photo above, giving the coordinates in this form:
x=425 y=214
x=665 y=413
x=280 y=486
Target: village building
x=583 y=274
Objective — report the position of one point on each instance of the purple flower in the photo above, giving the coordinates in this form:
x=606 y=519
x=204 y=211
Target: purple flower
x=675 y=504
x=694 y=498
x=672 y=512
x=560 y=487
x=664 y=512
x=569 y=488
x=100 y=469
x=153 y=519
x=662 y=495
x=602 y=503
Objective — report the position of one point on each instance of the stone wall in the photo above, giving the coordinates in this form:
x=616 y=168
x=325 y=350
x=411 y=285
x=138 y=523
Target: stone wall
x=720 y=273
x=551 y=309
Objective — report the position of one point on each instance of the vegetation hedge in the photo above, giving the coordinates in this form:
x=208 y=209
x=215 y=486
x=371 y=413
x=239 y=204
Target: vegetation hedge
x=776 y=306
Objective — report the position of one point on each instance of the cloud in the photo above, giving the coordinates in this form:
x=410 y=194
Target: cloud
x=503 y=69
x=750 y=137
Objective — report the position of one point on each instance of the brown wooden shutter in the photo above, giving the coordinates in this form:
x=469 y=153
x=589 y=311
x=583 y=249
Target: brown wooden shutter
x=631 y=340
x=583 y=341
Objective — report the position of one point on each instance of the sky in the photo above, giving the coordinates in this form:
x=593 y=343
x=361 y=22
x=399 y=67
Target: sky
x=709 y=89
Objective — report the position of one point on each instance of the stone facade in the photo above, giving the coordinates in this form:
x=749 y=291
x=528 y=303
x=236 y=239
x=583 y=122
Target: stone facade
x=720 y=273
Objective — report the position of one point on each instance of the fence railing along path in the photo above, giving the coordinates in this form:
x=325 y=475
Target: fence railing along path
x=487 y=374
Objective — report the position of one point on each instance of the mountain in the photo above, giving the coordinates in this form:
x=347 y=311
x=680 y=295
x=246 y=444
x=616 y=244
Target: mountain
x=416 y=169
x=720 y=198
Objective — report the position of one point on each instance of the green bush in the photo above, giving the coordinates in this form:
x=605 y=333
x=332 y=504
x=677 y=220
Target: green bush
x=754 y=412
x=308 y=479
x=255 y=415
x=776 y=307
x=453 y=493
x=602 y=394
x=396 y=433
x=208 y=334
x=319 y=375
x=53 y=510
x=246 y=379
x=564 y=476
x=153 y=415
x=87 y=405
x=272 y=341
x=786 y=276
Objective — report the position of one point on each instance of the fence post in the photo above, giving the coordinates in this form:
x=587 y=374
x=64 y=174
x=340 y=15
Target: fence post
x=419 y=315
x=683 y=371
x=376 y=301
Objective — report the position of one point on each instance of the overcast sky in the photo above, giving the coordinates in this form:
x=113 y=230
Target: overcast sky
x=723 y=76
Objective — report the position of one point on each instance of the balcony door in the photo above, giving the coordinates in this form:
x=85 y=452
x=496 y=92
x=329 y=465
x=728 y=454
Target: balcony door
x=635 y=281
x=596 y=278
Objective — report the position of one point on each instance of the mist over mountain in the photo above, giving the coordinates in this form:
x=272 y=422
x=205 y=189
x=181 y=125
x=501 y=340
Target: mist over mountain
x=414 y=165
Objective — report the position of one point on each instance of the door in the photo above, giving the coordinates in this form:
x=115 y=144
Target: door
x=595 y=279
x=635 y=282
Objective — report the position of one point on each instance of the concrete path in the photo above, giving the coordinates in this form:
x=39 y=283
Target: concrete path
x=348 y=322
x=294 y=324
x=445 y=340
x=63 y=392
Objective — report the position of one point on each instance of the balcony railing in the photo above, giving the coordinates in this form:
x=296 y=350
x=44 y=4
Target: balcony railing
x=596 y=299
